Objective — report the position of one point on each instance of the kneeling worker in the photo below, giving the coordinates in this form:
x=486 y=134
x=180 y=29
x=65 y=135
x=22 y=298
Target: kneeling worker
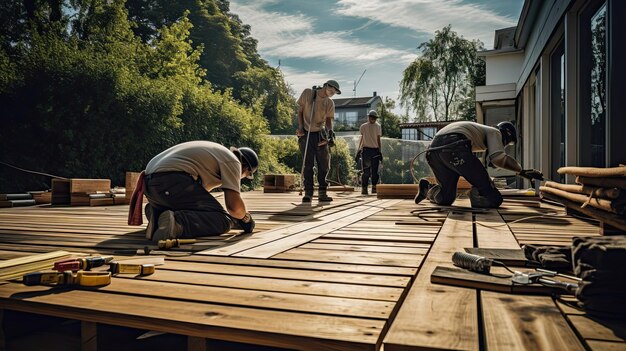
x=450 y=155
x=177 y=183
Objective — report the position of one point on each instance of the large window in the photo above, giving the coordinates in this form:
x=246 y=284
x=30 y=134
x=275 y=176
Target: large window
x=593 y=85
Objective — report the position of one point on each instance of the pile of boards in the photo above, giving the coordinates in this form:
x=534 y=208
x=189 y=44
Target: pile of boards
x=599 y=193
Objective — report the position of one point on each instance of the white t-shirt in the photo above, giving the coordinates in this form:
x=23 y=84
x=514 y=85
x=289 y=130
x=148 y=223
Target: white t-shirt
x=324 y=107
x=370 y=133
x=216 y=165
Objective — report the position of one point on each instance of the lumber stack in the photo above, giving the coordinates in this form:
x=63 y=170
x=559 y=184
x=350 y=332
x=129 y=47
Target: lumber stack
x=15 y=200
x=17 y=267
x=279 y=183
x=408 y=191
x=600 y=193
x=131 y=184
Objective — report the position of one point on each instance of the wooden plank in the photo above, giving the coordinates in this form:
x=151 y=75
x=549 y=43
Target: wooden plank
x=278 y=285
x=438 y=316
x=279 y=233
x=286 y=242
x=253 y=298
x=303 y=331
x=382 y=259
x=17 y=267
x=530 y=322
x=290 y=273
x=514 y=322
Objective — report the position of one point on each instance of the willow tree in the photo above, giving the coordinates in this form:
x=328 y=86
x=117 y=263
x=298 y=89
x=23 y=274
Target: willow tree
x=439 y=81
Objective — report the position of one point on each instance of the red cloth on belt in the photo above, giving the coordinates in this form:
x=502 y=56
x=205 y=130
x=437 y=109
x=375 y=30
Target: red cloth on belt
x=135 y=215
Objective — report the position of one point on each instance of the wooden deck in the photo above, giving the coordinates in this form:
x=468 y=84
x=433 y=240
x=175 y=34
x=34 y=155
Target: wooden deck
x=351 y=275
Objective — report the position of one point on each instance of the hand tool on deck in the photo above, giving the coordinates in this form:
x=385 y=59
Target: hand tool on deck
x=131 y=268
x=483 y=265
x=170 y=243
x=83 y=263
x=68 y=278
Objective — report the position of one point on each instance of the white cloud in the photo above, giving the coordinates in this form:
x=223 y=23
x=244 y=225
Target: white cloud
x=470 y=20
x=283 y=35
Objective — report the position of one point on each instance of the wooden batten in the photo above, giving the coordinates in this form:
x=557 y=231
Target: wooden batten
x=396 y=191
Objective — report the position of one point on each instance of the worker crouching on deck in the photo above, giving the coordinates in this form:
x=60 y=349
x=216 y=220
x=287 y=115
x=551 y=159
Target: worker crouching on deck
x=177 y=183
x=450 y=155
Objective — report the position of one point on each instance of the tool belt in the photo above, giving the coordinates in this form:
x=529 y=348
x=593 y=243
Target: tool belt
x=68 y=278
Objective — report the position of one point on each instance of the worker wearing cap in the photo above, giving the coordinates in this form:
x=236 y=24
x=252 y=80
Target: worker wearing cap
x=177 y=183
x=316 y=111
x=370 y=147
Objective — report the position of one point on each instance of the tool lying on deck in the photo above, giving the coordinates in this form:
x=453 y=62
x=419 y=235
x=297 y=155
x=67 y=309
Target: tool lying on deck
x=68 y=278
x=483 y=265
x=170 y=243
x=87 y=263
x=127 y=268
x=83 y=263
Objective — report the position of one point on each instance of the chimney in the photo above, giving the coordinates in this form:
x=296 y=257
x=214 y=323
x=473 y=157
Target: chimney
x=374 y=94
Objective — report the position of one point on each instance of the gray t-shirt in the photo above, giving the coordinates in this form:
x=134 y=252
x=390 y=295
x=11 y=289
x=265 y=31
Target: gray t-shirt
x=216 y=165
x=483 y=138
x=370 y=133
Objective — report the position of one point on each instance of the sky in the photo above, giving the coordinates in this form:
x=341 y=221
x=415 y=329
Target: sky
x=317 y=40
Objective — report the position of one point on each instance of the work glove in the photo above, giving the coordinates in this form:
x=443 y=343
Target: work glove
x=531 y=174
x=331 y=138
x=247 y=223
x=357 y=157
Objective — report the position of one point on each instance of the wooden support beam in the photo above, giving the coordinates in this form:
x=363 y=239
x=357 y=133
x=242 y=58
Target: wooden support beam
x=88 y=336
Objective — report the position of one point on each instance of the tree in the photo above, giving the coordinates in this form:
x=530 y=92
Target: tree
x=437 y=84
x=389 y=121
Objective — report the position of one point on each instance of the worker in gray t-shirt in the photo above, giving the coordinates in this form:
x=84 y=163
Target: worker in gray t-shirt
x=178 y=182
x=450 y=155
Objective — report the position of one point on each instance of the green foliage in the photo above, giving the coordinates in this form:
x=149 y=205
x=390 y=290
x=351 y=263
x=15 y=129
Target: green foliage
x=94 y=100
x=342 y=165
x=438 y=82
x=390 y=122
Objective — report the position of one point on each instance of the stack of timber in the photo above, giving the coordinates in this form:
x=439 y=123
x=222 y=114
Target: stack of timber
x=15 y=200
x=408 y=191
x=17 y=267
x=41 y=197
x=76 y=191
x=131 y=184
x=115 y=196
x=279 y=183
x=600 y=193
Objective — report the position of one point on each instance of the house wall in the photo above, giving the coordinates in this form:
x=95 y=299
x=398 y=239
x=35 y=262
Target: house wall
x=503 y=69
x=551 y=100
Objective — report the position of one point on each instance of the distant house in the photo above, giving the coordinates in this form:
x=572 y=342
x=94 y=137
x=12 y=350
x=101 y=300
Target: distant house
x=421 y=130
x=351 y=112
x=559 y=75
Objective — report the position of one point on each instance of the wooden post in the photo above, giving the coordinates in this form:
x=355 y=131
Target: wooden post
x=195 y=343
x=88 y=336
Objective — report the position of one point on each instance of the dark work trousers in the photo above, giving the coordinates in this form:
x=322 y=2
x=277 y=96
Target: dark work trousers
x=319 y=154
x=369 y=163
x=194 y=208
x=456 y=160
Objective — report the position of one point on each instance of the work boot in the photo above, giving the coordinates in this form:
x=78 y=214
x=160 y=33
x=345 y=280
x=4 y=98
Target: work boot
x=364 y=190
x=307 y=198
x=167 y=227
x=323 y=197
x=152 y=215
x=424 y=185
x=373 y=189
x=479 y=201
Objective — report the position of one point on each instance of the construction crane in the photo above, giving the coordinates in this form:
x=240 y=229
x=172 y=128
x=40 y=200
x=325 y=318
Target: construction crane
x=356 y=82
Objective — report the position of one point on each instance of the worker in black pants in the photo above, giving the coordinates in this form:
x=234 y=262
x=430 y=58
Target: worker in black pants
x=369 y=147
x=450 y=155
